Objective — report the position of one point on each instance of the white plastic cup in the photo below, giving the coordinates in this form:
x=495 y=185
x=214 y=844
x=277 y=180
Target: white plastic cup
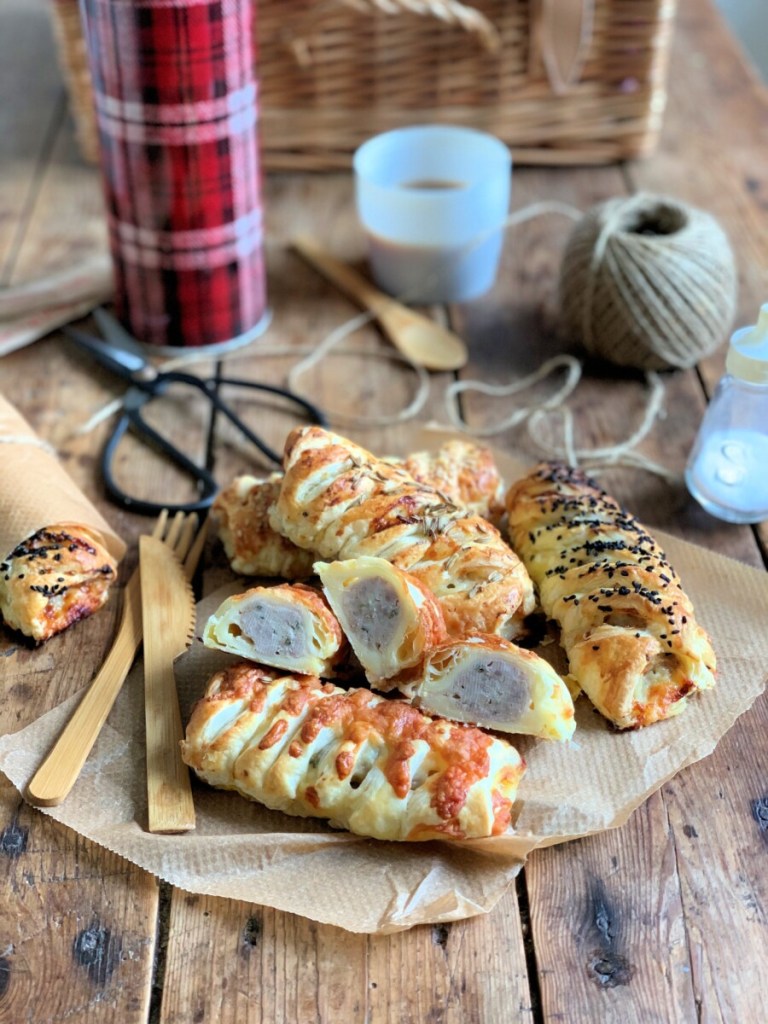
x=432 y=200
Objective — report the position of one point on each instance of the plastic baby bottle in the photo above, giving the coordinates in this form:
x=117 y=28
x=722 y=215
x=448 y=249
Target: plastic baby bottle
x=727 y=472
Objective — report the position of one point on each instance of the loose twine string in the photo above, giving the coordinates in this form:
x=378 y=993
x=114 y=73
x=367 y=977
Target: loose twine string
x=534 y=414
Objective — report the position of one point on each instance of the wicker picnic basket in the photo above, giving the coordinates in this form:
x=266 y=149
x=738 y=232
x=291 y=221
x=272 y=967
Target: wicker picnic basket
x=560 y=81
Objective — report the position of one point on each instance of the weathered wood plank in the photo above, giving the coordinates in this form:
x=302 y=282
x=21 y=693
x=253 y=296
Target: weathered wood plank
x=76 y=925
x=467 y=972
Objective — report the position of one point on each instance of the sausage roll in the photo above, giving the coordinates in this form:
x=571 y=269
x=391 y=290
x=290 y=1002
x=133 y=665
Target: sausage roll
x=464 y=472
x=54 y=578
x=487 y=681
x=289 y=626
x=627 y=626
x=252 y=547
x=374 y=766
x=388 y=616
x=342 y=502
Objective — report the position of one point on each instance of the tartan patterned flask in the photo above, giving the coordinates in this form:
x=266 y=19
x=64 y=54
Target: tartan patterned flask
x=177 y=108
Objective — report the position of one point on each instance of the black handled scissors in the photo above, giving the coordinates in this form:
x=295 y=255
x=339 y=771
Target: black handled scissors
x=122 y=354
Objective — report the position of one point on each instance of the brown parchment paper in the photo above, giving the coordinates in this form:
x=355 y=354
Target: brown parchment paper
x=37 y=491
x=244 y=851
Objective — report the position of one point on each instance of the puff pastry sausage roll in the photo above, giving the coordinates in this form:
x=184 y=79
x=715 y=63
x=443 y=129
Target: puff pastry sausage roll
x=342 y=502
x=487 y=681
x=289 y=626
x=53 y=579
x=627 y=626
x=464 y=472
x=376 y=767
x=388 y=616
x=252 y=547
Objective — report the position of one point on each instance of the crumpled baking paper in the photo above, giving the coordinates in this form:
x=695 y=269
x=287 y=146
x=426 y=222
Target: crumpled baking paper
x=246 y=852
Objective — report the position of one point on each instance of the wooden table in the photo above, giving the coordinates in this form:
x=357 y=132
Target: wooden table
x=661 y=920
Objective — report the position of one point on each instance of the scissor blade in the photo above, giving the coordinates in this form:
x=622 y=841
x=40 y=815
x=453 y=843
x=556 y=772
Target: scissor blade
x=124 y=364
x=117 y=336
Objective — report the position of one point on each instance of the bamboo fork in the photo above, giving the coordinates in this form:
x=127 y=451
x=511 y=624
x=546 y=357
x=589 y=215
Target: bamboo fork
x=57 y=774
x=168 y=614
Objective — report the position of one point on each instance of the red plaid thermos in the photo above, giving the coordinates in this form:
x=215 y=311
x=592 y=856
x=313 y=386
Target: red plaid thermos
x=177 y=107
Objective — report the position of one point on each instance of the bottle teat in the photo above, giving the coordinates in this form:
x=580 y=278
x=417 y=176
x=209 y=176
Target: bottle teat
x=748 y=352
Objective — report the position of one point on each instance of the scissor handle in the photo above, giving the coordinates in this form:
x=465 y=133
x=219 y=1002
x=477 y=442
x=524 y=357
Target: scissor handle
x=144 y=392
x=132 y=418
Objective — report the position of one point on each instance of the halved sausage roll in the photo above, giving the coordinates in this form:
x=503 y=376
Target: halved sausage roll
x=289 y=626
x=490 y=682
x=388 y=616
x=376 y=767
x=342 y=502
x=253 y=548
x=627 y=626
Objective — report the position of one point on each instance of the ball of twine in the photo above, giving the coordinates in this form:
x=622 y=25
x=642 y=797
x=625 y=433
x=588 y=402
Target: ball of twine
x=648 y=282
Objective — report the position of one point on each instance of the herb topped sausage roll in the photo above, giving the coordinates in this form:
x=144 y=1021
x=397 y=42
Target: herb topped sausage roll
x=53 y=579
x=627 y=626
x=376 y=767
x=464 y=472
x=342 y=502
x=289 y=626
x=253 y=548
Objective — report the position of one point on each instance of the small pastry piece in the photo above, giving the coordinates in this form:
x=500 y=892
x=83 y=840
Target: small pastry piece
x=490 y=682
x=53 y=579
x=388 y=616
x=374 y=766
x=627 y=626
x=289 y=626
x=252 y=547
x=464 y=472
x=342 y=502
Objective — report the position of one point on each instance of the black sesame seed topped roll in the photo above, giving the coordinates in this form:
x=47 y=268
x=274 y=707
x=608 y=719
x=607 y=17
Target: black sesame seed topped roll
x=626 y=624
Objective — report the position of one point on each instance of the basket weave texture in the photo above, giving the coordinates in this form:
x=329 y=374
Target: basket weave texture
x=335 y=72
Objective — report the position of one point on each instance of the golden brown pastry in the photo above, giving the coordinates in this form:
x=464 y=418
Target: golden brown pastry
x=53 y=579
x=376 y=767
x=464 y=472
x=342 y=502
x=388 y=616
x=487 y=681
x=288 y=626
x=252 y=547
x=627 y=626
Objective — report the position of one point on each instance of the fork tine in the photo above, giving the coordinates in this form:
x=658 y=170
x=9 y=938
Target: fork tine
x=159 y=529
x=174 y=532
x=193 y=556
x=182 y=545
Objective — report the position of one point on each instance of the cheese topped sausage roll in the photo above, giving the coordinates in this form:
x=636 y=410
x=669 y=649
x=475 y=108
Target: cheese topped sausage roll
x=490 y=682
x=342 y=502
x=252 y=547
x=376 y=767
x=627 y=626
x=388 y=616
x=53 y=579
x=464 y=472
x=289 y=626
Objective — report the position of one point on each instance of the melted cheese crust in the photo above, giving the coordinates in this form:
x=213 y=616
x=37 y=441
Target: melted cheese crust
x=376 y=767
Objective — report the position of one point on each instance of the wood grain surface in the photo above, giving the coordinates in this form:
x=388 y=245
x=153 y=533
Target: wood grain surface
x=662 y=920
